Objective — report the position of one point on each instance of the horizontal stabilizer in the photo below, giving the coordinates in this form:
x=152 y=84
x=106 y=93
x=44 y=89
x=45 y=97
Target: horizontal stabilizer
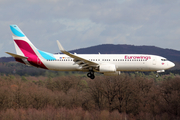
x=16 y=56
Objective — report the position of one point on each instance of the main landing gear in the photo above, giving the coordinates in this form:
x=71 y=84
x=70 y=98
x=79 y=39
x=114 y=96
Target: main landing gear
x=91 y=74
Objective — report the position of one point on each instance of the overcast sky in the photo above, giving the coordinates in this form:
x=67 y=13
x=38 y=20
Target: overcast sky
x=84 y=23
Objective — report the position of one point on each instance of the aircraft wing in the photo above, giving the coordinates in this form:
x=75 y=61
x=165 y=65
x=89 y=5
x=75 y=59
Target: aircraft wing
x=83 y=63
x=16 y=56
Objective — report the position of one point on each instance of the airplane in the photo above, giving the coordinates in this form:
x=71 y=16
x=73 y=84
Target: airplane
x=107 y=64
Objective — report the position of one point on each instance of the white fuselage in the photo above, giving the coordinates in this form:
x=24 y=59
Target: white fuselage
x=122 y=62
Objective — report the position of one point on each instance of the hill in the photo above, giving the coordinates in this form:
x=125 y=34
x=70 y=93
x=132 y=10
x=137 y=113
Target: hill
x=7 y=59
x=172 y=55
x=6 y=66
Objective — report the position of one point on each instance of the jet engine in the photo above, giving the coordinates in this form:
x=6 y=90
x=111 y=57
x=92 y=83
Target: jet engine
x=109 y=68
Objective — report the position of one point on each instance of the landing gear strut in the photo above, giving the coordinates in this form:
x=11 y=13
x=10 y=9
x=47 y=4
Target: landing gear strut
x=159 y=71
x=91 y=74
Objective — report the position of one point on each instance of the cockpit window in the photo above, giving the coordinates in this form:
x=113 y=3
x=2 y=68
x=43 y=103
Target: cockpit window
x=163 y=59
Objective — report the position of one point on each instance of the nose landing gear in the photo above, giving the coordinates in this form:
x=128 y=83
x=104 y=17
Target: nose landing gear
x=159 y=71
x=157 y=75
x=91 y=74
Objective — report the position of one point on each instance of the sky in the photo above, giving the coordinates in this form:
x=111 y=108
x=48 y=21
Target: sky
x=84 y=23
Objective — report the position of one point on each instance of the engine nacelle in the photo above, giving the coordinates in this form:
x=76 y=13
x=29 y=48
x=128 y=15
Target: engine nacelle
x=109 y=68
x=113 y=74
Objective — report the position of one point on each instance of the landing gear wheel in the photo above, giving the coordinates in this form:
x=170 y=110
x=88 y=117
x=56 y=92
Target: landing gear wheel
x=91 y=75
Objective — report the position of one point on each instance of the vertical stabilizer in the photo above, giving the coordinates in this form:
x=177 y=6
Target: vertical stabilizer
x=25 y=49
x=23 y=45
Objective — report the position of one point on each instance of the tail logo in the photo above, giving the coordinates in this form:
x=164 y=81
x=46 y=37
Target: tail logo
x=25 y=47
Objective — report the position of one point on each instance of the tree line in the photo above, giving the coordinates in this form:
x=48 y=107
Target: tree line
x=128 y=96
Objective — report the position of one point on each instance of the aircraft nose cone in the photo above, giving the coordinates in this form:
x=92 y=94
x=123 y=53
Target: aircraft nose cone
x=171 y=64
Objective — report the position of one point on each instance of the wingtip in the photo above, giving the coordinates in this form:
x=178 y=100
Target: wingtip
x=16 y=55
x=8 y=53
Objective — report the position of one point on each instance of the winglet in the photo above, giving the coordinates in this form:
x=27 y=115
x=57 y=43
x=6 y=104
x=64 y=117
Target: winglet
x=60 y=46
x=90 y=63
